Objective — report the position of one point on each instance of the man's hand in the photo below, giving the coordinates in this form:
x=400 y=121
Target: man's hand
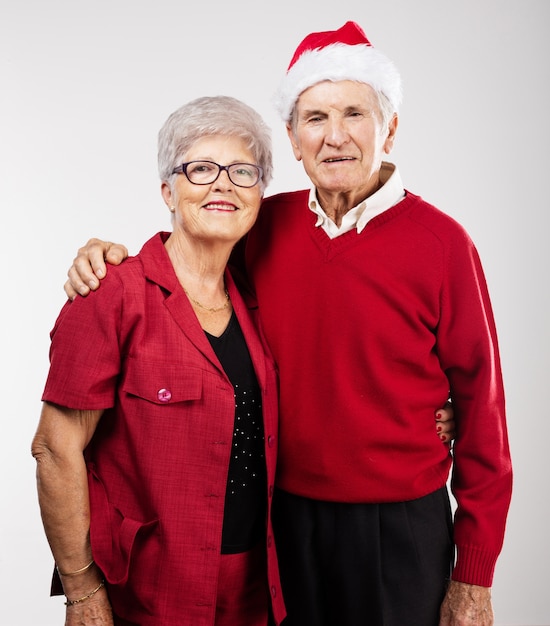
x=466 y=605
x=89 y=267
x=445 y=423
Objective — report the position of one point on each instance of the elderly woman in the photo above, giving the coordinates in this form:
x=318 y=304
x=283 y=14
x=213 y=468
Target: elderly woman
x=156 y=445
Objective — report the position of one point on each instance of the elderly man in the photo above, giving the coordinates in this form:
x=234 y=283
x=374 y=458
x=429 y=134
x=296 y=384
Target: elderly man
x=375 y=306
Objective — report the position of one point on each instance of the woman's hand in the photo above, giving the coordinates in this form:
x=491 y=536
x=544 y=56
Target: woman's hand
x=94 y=611
x=89 y=267
x=445 y=423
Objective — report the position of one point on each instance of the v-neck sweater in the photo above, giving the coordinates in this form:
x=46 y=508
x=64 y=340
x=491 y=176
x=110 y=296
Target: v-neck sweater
x=371 y=332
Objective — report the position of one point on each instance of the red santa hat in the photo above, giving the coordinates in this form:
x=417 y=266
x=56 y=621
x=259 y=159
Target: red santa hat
x=343 y=54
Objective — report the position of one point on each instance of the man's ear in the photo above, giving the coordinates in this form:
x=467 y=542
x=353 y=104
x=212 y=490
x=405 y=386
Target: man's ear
x=293 y=142
x=392 y=131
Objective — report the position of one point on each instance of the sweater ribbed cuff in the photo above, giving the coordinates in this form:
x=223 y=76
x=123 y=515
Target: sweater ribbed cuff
x=474 y=566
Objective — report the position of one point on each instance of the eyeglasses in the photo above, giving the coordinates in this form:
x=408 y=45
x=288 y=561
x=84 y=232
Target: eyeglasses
x=206 y=172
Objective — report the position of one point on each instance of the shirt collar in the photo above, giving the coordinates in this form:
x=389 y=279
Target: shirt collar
x=391 y=192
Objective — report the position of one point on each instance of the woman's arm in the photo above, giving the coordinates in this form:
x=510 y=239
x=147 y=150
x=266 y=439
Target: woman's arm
x=58 y=446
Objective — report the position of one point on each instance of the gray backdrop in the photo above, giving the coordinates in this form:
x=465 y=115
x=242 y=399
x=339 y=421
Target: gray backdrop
x=84 y=88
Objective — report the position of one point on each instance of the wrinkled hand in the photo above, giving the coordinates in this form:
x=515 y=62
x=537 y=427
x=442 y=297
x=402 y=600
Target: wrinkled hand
x=95 y=611
x=89 y=267
x=445 y=423
x=466 y=605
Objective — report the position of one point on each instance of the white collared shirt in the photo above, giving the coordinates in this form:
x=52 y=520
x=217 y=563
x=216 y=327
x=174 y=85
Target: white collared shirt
x=391 y=192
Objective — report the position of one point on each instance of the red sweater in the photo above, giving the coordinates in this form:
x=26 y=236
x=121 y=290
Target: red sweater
x=370 y=332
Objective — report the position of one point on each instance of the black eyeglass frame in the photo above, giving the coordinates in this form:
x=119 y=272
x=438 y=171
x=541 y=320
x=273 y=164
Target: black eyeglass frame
x=182 y=169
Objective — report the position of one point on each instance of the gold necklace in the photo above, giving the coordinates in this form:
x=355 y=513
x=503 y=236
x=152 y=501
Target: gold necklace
x=211 y=309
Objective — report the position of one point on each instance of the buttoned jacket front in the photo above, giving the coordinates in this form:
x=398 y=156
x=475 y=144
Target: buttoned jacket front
x=158 y=460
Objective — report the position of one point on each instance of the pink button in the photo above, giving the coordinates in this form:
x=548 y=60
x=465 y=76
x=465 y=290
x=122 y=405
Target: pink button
x=164 y=395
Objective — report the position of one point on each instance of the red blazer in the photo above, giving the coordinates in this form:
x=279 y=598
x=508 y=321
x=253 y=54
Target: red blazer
x=158 y=460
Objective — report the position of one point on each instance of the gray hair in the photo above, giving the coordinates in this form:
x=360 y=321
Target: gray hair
x=386 y=109
x=213 y=115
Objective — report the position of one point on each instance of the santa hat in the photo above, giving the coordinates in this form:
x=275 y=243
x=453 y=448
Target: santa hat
x=343 y=54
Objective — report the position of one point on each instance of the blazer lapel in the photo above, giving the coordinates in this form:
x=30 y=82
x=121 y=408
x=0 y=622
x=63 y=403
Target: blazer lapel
x=159 y=269
x=246 y=310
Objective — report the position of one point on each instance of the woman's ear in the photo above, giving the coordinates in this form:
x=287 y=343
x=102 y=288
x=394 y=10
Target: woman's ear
x=166 y=192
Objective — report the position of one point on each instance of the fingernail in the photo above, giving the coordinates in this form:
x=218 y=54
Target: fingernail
x=439 y=429
x=93 y=284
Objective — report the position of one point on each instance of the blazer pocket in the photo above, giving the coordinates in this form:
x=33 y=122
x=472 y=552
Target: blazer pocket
x=162 y=383
x=115 y=537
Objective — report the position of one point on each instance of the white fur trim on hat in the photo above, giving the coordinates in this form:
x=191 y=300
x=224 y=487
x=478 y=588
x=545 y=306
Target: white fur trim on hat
x=337 y=62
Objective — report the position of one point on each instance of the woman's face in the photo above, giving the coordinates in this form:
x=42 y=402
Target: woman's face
x=219 y=211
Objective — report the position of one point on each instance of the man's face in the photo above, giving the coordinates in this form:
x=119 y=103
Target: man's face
x=339 y=135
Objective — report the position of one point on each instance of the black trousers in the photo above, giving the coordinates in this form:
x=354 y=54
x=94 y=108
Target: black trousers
x=363 y=564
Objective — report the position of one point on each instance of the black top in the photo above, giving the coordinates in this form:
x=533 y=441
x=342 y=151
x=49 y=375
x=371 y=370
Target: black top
x=245 y=499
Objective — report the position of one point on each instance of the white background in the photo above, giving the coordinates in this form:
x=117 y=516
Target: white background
x=84 y=88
